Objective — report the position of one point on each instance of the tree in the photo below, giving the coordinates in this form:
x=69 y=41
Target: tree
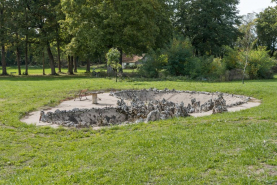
x=59 y=17
x=248 y=40
x=267 y=28
x=180 y=57
x=48 y=27
x=3 y=34
x=208 y=24
x=27 y=7
x=132 y=26
x=43 y=63
x=44 y=18
x=113 y=60
x=15 y=34
x=71 y=50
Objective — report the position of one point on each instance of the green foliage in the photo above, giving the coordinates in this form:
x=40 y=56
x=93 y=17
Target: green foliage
x=218 y=68
x=180 y=57
x=259 y=63
x=152 y=64
x=231 y=58
x=113 y=58
x=248 y=37
x=206 y=66
x=267 y=28
x=132 y=26
x=209 y=24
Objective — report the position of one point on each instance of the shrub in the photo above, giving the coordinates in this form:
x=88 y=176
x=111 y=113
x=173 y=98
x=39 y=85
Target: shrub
x=231 y=58
x=152 y=64
x=195 y=68
x=259 y=63
x=113 y=60
x=208 y=67
x=218 y=68
x=180 y=54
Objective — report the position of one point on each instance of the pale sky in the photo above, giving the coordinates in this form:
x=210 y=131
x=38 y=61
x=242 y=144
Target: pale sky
x=250 y=6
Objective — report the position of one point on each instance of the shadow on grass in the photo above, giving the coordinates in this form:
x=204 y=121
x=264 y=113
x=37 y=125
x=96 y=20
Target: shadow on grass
x=136 y=80
x=178 y=79
x=42 y=78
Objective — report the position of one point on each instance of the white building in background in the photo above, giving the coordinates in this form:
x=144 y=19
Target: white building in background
x=131 y=60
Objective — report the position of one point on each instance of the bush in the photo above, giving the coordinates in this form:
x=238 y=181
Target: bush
x=231 y=58
x=205 y=63
x=195 y=69
x=218 y=68
x=152 y=64
x=180 y=55
x=259 y=63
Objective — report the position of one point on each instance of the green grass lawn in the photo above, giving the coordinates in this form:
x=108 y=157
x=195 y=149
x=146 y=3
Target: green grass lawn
x=229 y=148
x=37 y=70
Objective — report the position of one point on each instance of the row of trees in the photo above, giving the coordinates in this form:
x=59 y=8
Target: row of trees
x=88 y=29
x=25 y=23
x=249 y=55
x=81 y=28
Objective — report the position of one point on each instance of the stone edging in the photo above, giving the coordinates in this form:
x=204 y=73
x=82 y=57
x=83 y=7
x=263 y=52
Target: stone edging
x=142 y=109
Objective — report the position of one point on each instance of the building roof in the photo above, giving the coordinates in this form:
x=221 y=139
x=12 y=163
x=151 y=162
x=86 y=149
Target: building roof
x=131 y=59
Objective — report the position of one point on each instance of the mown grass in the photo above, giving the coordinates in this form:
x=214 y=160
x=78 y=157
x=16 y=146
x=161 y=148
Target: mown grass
x=37 y=70
x=229 y=148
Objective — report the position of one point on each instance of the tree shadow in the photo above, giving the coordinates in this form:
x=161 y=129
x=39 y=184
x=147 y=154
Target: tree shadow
x=42 y=78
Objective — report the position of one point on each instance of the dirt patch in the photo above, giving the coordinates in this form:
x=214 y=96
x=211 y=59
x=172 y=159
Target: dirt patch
x=270 y=169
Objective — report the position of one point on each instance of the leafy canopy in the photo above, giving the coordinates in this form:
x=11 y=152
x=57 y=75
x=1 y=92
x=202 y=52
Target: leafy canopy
x=208 y=24
x=267 y=28
x=132 y=26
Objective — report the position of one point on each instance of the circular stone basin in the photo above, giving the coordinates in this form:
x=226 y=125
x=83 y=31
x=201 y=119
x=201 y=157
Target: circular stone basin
x=130 y=106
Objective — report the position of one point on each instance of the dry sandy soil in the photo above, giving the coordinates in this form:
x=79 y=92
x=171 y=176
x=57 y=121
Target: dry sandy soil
x=105 y=100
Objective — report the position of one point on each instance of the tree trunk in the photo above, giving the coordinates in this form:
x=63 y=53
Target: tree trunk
x=26 y=40
x=120 y=59
x=116 y=75
x=18 y=60
x=246 y=63
x=88 y=66
x=30 y=55
x=3 y=60
x=75 y=64
x=70 y=65
x=59 y=55
x=43 y=64
x=26 y=55
x=51 y=59
x=272 y=52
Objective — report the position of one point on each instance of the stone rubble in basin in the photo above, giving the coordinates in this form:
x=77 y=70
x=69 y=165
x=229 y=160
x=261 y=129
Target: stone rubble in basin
x=143 y=108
